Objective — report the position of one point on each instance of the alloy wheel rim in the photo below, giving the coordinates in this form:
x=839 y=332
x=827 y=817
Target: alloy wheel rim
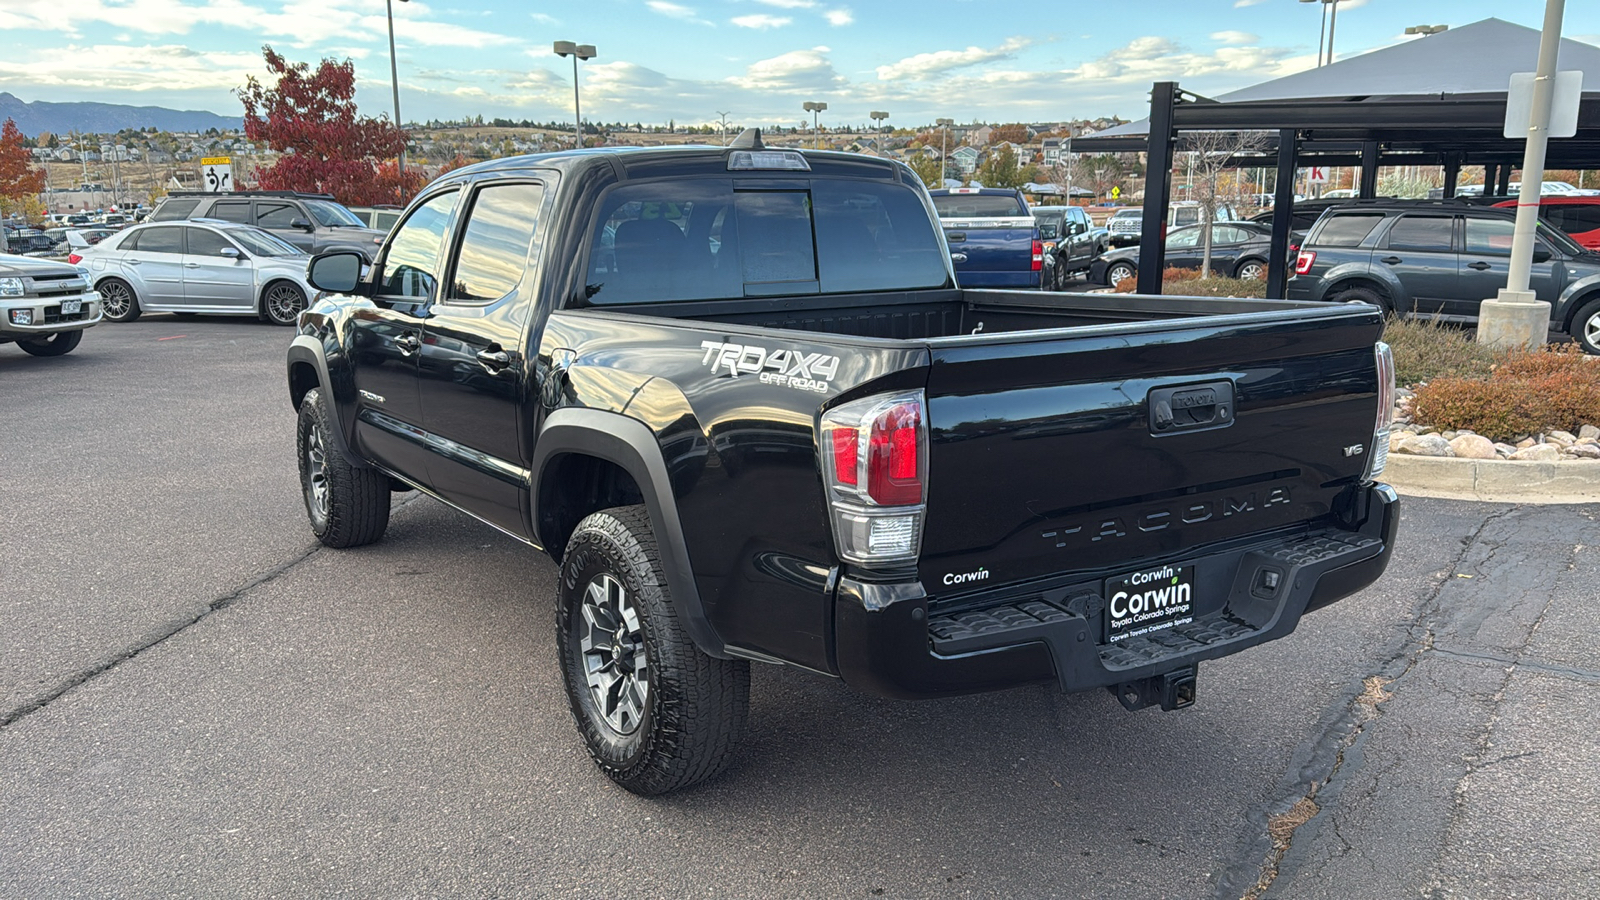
x=1251 y=271
x=283 y=304
x=114 y=300
x=1119 y=274
x=1591 y=330
x=612 y=649
x=317 y=474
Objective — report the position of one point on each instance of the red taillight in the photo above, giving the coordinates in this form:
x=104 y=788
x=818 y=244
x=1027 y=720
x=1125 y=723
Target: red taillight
x=1038 y=255
x=844 y=454
x=893 y=469
x=1302 y=263
x=74 y=258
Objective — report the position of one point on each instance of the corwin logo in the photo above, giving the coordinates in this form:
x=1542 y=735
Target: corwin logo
x=953 y=578
x=790 y=368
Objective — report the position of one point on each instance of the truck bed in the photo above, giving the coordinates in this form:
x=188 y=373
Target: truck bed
x=924 y=315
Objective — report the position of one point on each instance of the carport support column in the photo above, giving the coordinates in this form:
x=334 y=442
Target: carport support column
x=1452 y=173
x=1282 y=214
x=1369 y=170
x=1157 y=189
x=1491 y=174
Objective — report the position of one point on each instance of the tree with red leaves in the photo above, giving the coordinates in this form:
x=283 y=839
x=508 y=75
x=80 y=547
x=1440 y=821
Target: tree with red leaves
x=18 y=179
x=310 y=117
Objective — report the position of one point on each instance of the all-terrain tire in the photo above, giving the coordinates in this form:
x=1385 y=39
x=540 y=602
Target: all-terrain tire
x=678 y=713
x=56 y=344
x=348 y=505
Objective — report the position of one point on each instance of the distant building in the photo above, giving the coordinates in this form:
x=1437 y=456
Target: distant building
x=966 y=160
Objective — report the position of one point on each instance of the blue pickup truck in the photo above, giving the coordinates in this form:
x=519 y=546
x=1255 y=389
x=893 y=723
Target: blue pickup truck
x=994 y=240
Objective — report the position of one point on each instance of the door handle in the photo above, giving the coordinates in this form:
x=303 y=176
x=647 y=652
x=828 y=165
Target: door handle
x=1392 y=260
x=958 y=257
x=132 y=262
x=1480 y=266
x=408 y=343
x=494 y=359
x=191 y=265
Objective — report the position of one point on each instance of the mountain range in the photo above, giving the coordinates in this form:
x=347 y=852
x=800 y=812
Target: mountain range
x=105 y=118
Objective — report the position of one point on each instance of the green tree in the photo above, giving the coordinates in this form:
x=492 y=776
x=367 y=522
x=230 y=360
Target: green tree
x=927 y=168
x=1001 y=170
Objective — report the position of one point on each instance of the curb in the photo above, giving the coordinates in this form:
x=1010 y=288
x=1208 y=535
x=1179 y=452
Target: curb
x=1494 y=480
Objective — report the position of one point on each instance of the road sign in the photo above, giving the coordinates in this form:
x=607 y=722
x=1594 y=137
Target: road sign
x=1116 y=193
x=216 y=174
x=1318 y=175
x=1563 y=104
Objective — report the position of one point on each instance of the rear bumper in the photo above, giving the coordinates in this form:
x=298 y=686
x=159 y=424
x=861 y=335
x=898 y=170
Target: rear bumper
x=1028 y=280
x=889 y=644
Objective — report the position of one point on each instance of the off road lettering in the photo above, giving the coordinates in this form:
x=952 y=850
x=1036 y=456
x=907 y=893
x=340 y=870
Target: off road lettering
x=790 y=368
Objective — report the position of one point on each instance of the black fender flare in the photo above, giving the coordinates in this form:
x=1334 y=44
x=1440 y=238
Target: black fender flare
x=307 y=350
x=632 y=446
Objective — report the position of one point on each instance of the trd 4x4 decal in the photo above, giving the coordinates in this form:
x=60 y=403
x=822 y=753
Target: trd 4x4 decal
x=790 y=368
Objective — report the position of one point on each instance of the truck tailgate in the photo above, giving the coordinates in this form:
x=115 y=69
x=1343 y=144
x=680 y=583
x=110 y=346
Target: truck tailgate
x=1093 y=450
x=992 y=252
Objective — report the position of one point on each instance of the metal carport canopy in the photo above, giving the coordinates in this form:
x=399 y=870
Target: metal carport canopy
x=1437 y=100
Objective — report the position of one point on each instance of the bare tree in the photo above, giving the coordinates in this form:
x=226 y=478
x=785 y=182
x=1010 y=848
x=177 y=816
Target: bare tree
x=1213 y=152
x=1101 y=172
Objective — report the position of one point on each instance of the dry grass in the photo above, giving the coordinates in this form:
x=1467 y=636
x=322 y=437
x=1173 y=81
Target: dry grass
x=1425 y=349
x=1188 y=283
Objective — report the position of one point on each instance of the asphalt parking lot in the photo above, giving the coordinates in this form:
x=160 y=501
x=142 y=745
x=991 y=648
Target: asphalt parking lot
x=198 y=701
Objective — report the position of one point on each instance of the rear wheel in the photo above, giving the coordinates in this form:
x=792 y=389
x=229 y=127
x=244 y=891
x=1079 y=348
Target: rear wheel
x=1586 y=327
x=118 y=302
x=1360 y=293
x=56 y=344
x=655 y=713
x=1251 y=270
x=1120 y=272
x=282 y=303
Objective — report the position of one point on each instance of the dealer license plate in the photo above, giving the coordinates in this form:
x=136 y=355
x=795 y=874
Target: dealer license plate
x=1148 y=601
x=71 y=307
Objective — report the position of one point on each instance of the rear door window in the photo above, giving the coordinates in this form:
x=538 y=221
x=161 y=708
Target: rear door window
x=175 y=209
x=1347 y=230
x=166 y=239
x=1427 y=234
x=231 y=210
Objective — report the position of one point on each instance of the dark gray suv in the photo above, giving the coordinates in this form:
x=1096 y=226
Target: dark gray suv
x=1442 y=258
x=313 y=222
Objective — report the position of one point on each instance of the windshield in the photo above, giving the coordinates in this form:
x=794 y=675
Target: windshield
x=332 y=215
x=1127 y=212
x=260 y=243
x=968 y=206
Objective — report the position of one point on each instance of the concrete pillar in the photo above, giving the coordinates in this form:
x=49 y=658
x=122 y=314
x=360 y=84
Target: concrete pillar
x=1514 y=320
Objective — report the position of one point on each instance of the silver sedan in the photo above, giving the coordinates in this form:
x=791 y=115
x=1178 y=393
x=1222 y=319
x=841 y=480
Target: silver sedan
x=197 y=266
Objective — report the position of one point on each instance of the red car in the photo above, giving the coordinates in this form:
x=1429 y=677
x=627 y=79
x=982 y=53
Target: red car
x=1577 y=216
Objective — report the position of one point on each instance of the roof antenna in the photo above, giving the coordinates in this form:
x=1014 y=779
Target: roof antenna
x=748 y=139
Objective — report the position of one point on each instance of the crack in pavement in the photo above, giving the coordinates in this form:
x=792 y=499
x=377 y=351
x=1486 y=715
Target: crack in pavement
x=84 y=676
x=1339 y=735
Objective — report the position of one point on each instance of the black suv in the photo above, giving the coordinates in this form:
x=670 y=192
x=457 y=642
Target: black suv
x=1442 y=258
x=315 y=223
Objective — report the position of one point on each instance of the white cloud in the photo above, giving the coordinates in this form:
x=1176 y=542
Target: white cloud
x=1234 y=37
x=797 y=70
x=1146 y=59
x=167 y=67
x=837 y=17
x=671 y=10
x=923 y=65
x=543 y=19
x=790 y=4
x=761 y=21
x=1241 y=4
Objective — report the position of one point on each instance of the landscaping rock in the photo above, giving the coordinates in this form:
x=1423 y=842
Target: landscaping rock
x=1473 y=446
x=1584 y=451
x=1525 y=443
x=1396 y=439
x=1504 y=449
x=1589 y=432
x=1538 y=453
x=1425 y=445
x=1565 y=438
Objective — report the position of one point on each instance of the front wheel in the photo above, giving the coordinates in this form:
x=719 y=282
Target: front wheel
x=348 y=505
x=56 y=344
x=1251 y=270
x=1120 y=272
x=282 y=303
x=655 y=713
x=1586 y=327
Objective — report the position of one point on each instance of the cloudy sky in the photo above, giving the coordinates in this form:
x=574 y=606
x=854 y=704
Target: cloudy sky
x=689 y=59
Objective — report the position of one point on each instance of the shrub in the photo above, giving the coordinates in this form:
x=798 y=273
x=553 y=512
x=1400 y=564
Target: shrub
x=1425 y=349
x=1188 y=283
x=1528 y=394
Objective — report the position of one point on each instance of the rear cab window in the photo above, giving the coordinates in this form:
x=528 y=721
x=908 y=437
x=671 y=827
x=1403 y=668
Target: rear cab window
x=978 y=206
x=710 y=239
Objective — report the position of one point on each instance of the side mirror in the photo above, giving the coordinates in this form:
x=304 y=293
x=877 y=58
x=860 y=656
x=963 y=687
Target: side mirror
x=302 y=224
x=1541 y=253
x=337 y=272
x=230 y=252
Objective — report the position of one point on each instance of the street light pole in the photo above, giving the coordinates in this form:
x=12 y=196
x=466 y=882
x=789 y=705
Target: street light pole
x=878 y=116
x=1516 y=317
x=724 y=119
x=394 y=79
x=814 y=109
x=577 y=52
x=944 y=140
x=1329 y=19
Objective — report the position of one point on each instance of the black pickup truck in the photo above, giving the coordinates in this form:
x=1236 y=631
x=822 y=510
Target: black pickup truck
x=737 y=396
